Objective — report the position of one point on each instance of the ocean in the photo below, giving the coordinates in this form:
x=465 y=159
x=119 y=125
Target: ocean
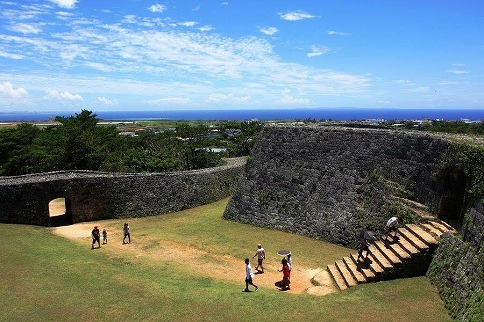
x=337 y=114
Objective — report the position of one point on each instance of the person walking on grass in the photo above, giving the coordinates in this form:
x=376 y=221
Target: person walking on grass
x=95 y=237
x=105 y=237
x=261 y=255
x=126 y=233
x=249 y=274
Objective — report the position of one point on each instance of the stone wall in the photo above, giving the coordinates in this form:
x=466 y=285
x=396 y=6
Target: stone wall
x=332 y=182
x=457 y=269
x=95 y=195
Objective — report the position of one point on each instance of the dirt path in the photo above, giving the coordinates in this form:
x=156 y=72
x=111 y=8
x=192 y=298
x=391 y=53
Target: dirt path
x=226 y=268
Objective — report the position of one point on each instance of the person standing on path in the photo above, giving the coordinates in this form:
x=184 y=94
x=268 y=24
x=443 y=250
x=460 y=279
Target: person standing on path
x=261 y=255
x=249 y=274
x=126 y=233
x=105 y=237
x=286 y=276
x=95 y=237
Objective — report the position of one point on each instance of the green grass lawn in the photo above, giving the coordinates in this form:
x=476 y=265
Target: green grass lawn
x=46 y=277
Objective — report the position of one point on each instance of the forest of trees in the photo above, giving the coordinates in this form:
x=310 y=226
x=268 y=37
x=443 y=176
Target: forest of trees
x=80 y=143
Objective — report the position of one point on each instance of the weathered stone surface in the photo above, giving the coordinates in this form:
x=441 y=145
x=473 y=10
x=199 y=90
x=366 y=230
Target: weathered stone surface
x=96 y=195
x=457 y=269
x=317 y=181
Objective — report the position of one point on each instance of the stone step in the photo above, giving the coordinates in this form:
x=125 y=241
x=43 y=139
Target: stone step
x=449 y=227
x=387 y=252
x=398 y=250
x=360 y=278
x=337 y=277
x=320 y=278
x=412 y=239
x=405 y=244
x=380 y=258
x=431 y=230
x=422 y=234
x=363 y=268
x=341 y=266
x=442 y=227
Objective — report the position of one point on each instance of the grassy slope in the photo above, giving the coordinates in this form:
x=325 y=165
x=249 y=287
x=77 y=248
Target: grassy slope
x=46 y=277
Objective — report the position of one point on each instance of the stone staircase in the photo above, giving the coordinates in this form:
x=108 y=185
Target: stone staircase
x=409 y=254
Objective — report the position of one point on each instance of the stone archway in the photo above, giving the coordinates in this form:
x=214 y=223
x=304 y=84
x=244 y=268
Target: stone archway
x=60 y=212
x=454 y=187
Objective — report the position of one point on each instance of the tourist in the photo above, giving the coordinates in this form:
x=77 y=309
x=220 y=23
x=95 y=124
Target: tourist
x=95 y=237
x=261 y=255
x=289 y=261
x=286 y=276
x=363 y=246
x=391 y=226
x=126 y=233
x=105 y=237
x=249 y=274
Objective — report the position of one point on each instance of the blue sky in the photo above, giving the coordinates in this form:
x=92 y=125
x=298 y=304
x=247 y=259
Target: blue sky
x=103 y=55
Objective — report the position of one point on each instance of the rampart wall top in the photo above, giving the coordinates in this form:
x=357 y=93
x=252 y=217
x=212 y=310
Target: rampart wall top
x=97 y=195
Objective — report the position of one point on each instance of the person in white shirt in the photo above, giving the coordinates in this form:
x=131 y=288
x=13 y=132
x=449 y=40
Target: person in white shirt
x=261 y=255
x=249 y=274
x=391 y=226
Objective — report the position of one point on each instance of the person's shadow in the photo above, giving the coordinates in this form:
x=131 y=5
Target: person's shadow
x=365 y=264
x=387 y=241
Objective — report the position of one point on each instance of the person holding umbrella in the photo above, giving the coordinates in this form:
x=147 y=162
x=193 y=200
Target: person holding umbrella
x=366 y=237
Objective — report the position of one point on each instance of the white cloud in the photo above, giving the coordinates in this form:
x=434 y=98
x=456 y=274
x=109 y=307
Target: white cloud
x=221 y=98
x=318 y=51
x=25 y=28
x=68 y=4
x=99 y=66
x=296 y=15
x=188 y=23
x=6 y=89
x=457 y=71
x=288 y=99
x=419 y=89
x=106 y=101
x=206 y=28
x=269 y=30
x=171 y=100
x=338 y=33
x=10 y=55
x=54 y=94
x=158 y=8
x=224 y=4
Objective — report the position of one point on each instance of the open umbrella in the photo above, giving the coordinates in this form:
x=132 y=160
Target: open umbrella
x=283 y=252
x=368 y=235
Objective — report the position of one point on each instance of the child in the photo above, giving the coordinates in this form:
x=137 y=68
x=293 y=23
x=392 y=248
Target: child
x=105 y=237
x=126 y=233
x=249 y=274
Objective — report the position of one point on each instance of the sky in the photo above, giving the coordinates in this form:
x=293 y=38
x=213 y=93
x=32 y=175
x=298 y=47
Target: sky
x=114 y=55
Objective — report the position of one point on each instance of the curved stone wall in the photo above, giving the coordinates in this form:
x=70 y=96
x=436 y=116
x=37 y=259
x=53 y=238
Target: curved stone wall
x=96 y=195
x=457 y=268
x=332 y=182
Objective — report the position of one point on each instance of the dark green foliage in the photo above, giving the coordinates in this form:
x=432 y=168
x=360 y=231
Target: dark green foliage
x=472 y=159
x=80 y=143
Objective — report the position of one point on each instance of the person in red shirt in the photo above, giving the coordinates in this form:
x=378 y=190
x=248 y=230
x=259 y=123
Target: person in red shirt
x=286 y=276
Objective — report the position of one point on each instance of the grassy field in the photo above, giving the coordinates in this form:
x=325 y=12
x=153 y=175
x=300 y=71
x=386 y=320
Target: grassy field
x=170 y=273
